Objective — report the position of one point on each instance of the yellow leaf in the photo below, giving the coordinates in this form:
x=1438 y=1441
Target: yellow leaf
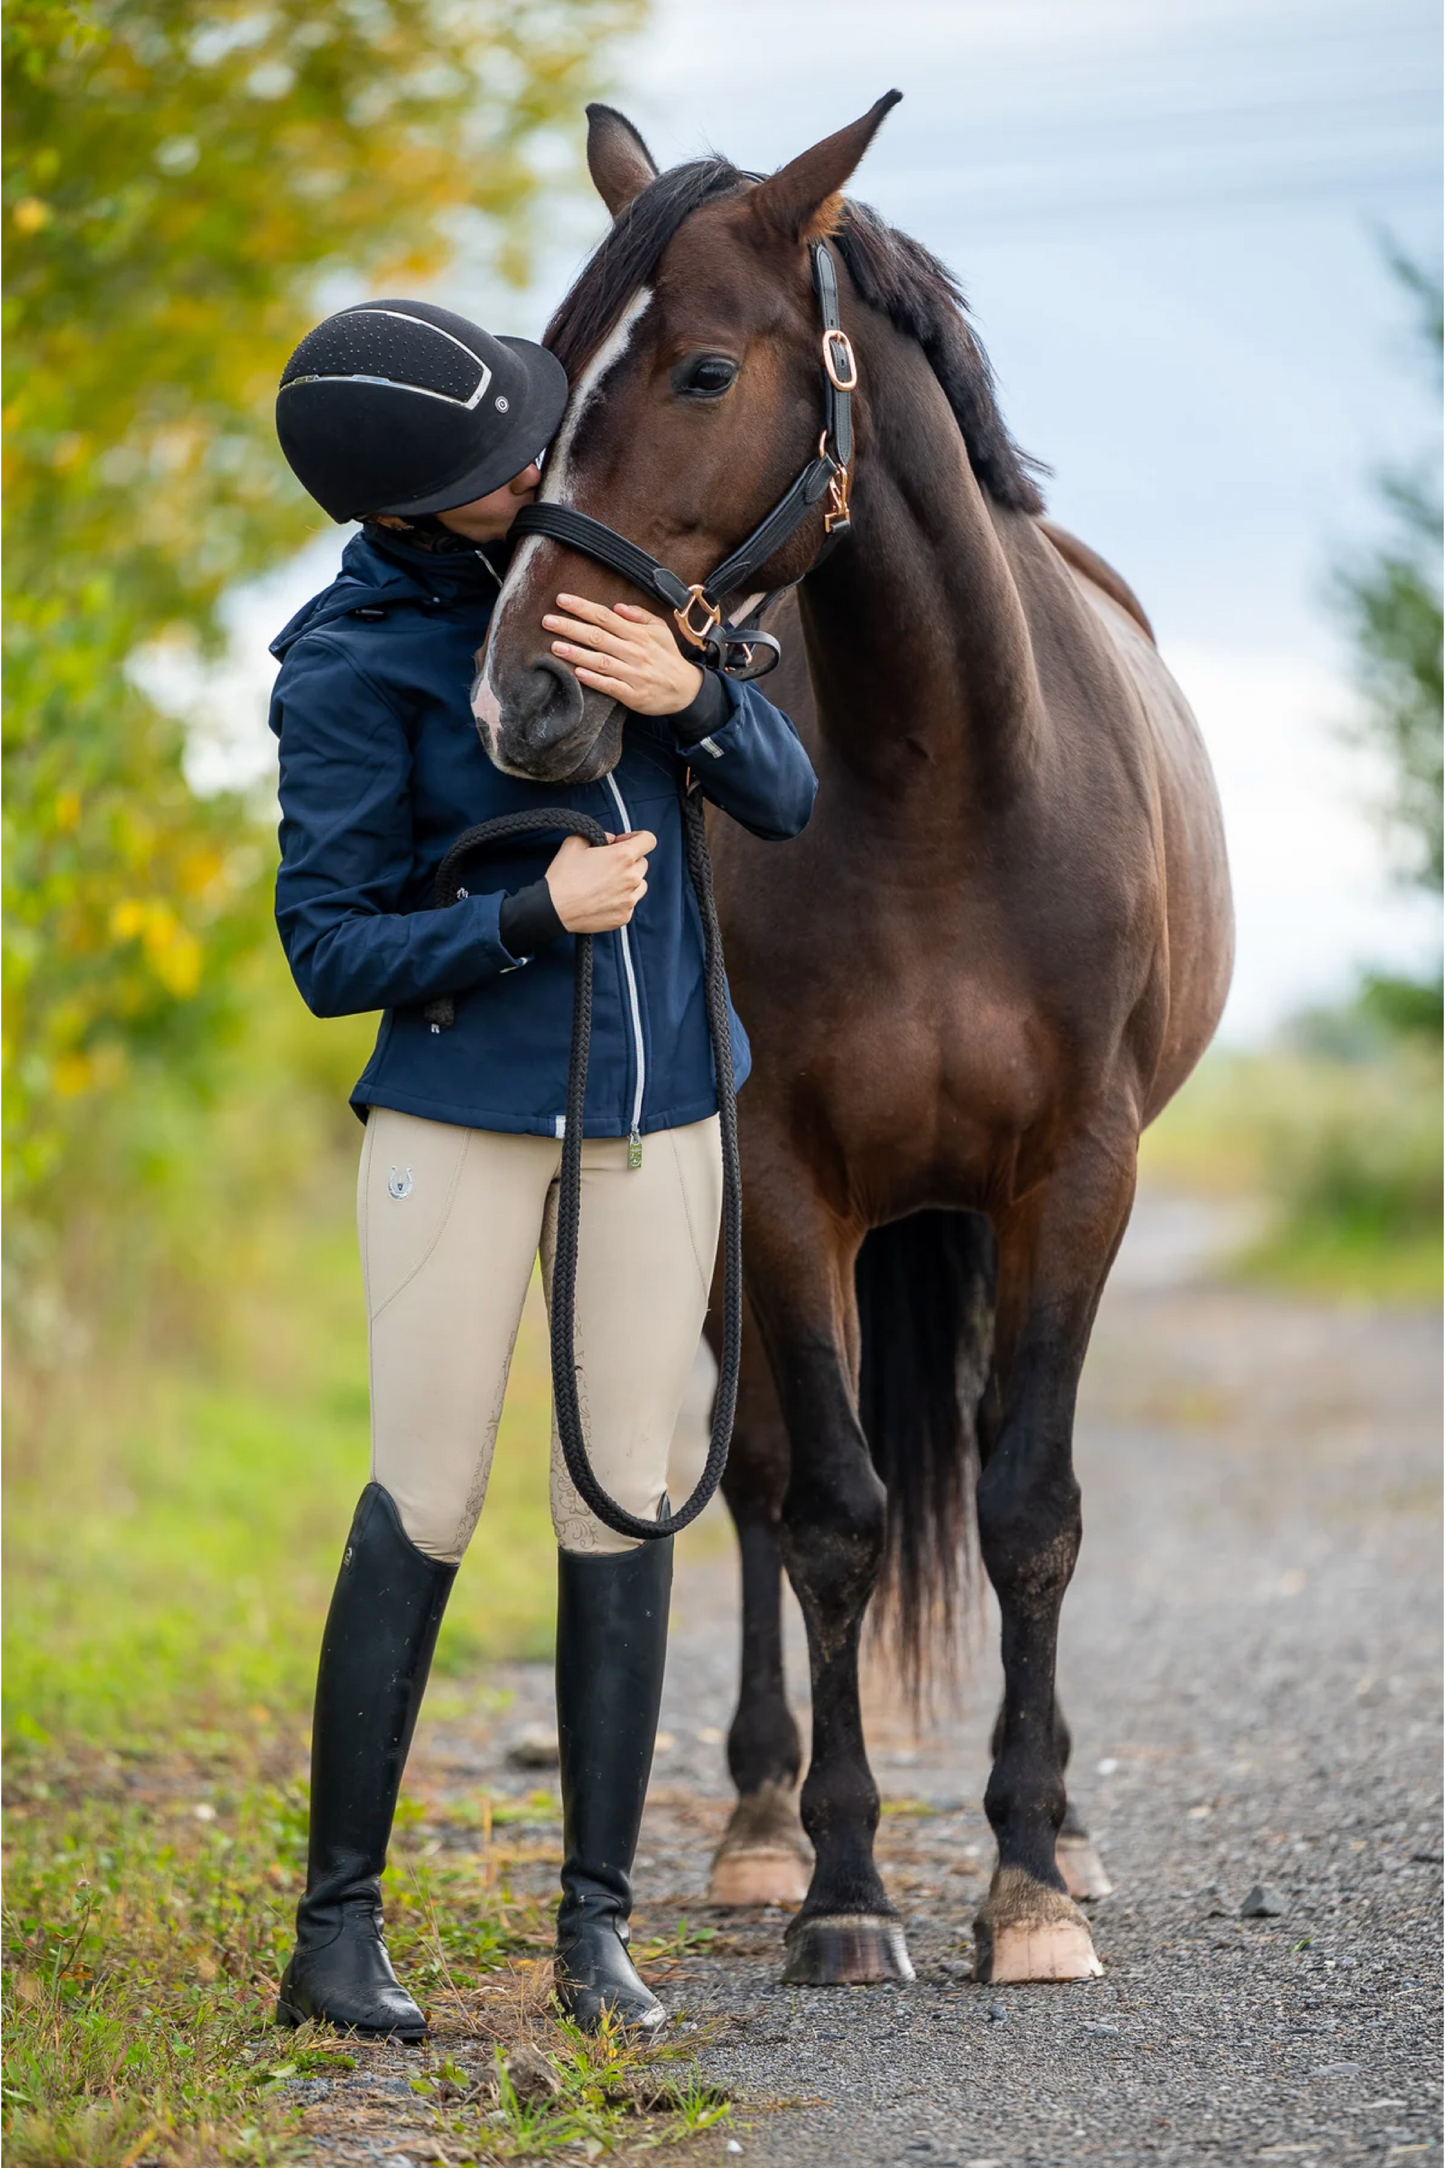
x=198 y=869
x=128 y=918
x=71 y=1075
x=175 y=957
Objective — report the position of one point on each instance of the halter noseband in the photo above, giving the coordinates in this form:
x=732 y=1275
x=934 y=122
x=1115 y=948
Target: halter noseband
x=697 y=610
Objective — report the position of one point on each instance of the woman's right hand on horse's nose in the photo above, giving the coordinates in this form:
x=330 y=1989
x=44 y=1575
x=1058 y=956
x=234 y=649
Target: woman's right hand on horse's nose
x=596 y=888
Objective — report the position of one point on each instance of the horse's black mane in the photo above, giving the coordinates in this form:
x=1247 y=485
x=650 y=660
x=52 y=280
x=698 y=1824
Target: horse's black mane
x=923 y=298
x=891 y=272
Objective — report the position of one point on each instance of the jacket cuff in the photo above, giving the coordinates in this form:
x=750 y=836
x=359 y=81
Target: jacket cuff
x=528 y=920
x=703 y=715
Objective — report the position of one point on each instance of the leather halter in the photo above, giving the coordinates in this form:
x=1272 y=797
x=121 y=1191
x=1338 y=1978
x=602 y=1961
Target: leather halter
x=697 y=610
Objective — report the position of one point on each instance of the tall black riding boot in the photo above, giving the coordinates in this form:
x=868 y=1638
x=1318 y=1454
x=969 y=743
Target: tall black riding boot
x=375 y=1656
x=611 y=1649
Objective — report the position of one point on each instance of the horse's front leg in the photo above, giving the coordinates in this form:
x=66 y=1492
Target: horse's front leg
x=800 y=1262
x=1076 y=1854
x=764 y=1856
x=1054 y=1252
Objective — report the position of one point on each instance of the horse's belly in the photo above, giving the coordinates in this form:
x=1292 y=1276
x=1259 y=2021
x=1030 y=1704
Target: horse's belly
x=914 y=1099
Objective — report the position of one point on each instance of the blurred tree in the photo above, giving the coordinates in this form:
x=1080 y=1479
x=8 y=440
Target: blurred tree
x=180 y=178
x=1393 y=607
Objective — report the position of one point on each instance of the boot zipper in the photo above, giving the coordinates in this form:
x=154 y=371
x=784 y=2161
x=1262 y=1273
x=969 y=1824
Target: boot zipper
x=634 y=1141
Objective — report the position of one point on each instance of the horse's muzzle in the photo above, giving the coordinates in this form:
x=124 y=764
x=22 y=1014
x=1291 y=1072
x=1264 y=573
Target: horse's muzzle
x=545 y=727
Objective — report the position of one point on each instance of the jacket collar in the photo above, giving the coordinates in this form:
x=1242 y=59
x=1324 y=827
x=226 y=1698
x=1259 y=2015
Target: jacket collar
x=380 y=568
x=439 y=572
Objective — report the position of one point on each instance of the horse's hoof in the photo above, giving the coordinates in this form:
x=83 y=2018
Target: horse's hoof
x=1082 y=1869
x=758 y=1876
x=764 y=1858
x=1027 y=1931
x=853 y=1949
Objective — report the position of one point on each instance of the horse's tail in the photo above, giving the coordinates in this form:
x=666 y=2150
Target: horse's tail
x=925 y=1307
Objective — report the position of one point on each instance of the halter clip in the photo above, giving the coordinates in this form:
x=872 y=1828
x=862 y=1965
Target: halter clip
x=696 y=599
x=839 y=483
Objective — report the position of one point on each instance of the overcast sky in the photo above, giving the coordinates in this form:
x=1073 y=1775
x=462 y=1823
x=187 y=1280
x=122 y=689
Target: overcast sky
x=1169 y=222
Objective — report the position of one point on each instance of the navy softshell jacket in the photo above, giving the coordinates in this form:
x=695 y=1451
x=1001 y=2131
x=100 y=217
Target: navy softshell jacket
x=382 y=769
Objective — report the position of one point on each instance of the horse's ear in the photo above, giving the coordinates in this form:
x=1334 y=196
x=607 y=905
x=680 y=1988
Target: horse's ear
x=799 y=200
x=619 y=161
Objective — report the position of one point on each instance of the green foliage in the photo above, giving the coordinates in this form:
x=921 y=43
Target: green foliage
x=1359 y=1152
x=1392 y=606
x=1339 y=1136
x=171 y=1542
x=180 y=179
x=139 y=1944
x=1405 y=1008
x=129 y=908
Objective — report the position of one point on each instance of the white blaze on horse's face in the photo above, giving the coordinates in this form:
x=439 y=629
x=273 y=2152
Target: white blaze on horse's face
x=541 y=727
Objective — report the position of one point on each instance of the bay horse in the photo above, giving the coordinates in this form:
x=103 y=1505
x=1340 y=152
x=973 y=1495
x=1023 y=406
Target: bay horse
x=999 y=947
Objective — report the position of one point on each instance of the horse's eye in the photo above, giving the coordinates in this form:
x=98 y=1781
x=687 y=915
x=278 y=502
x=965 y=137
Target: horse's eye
x=706 y=376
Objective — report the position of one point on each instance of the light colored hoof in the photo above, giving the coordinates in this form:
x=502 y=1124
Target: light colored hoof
x=1027 y=1931
x=764 y=1858
x=758 y=1877
x=1082 y=1869
x=1053 y=1950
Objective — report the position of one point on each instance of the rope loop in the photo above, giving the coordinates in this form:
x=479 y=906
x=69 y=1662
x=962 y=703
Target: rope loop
x=442 y=1014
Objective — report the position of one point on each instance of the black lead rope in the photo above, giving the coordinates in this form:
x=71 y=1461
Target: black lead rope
x=441 y=1014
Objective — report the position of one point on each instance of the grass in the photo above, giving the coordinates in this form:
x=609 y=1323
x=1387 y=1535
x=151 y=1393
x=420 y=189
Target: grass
x=142 y=1948
x=1342 y=1146
x=173 y=1528
x=173 y=1535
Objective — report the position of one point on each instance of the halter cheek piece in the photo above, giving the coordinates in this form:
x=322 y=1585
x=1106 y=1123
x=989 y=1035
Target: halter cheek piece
x=697 y=610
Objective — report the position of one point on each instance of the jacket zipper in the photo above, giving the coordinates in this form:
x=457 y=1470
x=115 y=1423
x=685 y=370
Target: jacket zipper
x=634 y=1141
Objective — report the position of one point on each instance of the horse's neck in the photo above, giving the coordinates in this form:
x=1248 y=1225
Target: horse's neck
x=917 y=640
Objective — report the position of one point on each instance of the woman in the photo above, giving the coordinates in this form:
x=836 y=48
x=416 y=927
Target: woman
x=427 y=429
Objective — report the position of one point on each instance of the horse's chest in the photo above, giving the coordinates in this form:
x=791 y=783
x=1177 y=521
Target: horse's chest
x=908 y=1067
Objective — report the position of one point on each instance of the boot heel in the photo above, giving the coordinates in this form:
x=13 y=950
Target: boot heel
x=287 y=2015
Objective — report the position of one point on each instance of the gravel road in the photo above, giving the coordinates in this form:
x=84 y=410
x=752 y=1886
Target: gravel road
x=1251 y=1668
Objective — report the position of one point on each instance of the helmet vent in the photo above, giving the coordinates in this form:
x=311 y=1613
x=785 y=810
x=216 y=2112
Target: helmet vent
x=376 y=342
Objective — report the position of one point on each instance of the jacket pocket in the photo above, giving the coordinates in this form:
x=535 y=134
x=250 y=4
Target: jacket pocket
x=409 y=1183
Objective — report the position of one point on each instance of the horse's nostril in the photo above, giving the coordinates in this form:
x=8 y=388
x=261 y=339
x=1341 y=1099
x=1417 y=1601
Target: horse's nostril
x=549 y=705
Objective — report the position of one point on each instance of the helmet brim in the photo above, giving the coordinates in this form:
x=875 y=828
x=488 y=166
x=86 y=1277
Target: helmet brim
x=530 y=427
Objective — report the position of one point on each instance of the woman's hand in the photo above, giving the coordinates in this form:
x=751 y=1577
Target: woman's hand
x=625 y=652
x=596 y=888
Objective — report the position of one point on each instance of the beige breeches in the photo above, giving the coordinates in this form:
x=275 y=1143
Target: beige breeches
x=451 y=1221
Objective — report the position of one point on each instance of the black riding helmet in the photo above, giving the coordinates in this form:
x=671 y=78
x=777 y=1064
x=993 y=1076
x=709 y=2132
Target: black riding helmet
x=402 y=407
